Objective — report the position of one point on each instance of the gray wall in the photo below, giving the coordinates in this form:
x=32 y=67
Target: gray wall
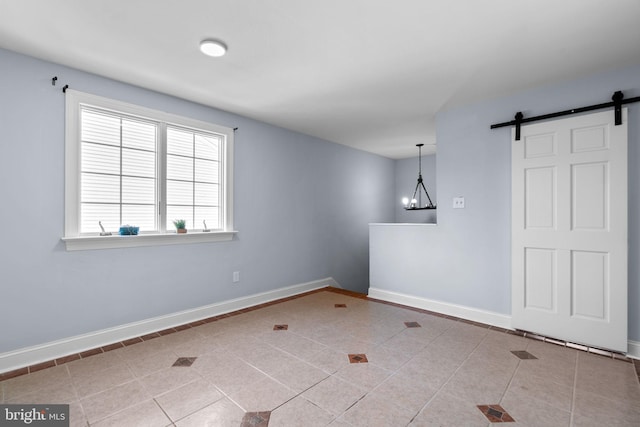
x=468 y=261
x=301 y=206
x=406 y=180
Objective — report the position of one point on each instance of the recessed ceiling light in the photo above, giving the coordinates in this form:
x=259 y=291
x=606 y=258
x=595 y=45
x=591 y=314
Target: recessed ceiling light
x=213 y=48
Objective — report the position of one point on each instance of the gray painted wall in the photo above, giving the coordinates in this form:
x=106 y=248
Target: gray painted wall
x=302 y=208
x=466 y=258
x=406 y=180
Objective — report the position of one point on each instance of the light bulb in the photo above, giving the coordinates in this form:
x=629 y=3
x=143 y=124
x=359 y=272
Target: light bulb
x=405 y=201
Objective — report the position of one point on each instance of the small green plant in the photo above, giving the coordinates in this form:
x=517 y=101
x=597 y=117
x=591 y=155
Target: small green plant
x=180 y=224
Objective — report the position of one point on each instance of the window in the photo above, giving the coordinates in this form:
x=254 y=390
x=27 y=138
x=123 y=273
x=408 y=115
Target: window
x=129 y=165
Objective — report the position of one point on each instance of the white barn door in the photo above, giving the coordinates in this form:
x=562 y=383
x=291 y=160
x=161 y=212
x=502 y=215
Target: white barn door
x=569 y=230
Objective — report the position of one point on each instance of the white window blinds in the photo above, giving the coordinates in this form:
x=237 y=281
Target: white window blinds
x=193 y=178
x=118 y=172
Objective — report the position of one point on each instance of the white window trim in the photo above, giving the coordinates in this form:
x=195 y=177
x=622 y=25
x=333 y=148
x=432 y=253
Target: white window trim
x=72 y=238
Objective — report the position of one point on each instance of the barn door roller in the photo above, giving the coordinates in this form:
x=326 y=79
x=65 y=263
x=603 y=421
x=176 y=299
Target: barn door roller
x=617 y=100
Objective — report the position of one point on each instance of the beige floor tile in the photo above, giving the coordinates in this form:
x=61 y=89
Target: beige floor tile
x=214 y=362
x=607 y=412
x=547 y=351
x=405 y=343
x=505 y=341
x=377 y=411
x=168 y=379
x=377 y=334
x=19 y=386
x=88 y=383
x=145 y=414
x=192 y=345
x=329 y=360
x=143 y=365
x=562 y=369
x=534 y=412
x=405 y=390
x=477 y=387
x=264 y=395
x=365 y=375
x=269 y=360
x=77 y=418
x=528 y=387
x=388 y=357
x=219 y=414
x=234 y=375
x=334 y=395
x=448 y=410
x=62 y=392
x=484 y=367
x=433 y=372
x=243 y=345
x=299 y=376
x=188 y=399
x=348 y=344
x=424 y=333
x=93 y=364
x=492 y=352
x=451 y=348
x=300 y=347
x=610 y=378
x=300 y=412
x=141 y=349
x=109 y=402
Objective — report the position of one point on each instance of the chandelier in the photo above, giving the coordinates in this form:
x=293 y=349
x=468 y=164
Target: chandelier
x=416 y=203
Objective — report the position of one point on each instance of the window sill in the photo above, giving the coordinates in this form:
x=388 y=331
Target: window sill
x=116 y=241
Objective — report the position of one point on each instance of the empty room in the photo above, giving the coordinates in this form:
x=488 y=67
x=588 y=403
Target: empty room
x=320 y=213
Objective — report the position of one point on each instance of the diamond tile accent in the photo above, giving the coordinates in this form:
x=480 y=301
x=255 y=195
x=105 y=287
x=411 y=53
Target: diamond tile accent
x=496 y=414
x=358 y=358
x=524 y=355
x=256 y=419
x=280 y=327
x=340 y=306
x=184 y=361
x=412 y=324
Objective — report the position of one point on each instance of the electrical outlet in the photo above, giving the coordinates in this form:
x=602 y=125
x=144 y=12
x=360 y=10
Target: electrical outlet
x=458 y=203
x=236 y=276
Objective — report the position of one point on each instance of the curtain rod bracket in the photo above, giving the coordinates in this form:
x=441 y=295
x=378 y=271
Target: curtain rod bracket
x=53 y=80
x=64 y=88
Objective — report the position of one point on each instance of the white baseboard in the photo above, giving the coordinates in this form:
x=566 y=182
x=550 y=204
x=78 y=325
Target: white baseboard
x=633 y=350
x=468 y=313
x=53 y=350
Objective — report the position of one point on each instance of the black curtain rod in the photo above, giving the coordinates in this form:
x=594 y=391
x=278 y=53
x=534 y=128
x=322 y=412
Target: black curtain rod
x=617 y=102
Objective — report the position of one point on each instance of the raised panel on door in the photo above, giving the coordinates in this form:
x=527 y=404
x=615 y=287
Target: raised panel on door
x=590 y=285
x=543 y=145
x=540 y=279
x=590 y=196
x=591 y=138
x=540 y=197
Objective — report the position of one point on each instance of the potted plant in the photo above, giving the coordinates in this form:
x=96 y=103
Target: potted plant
x=181 y=225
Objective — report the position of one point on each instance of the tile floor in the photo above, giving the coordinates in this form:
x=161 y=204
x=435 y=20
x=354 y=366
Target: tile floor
x=330 y=358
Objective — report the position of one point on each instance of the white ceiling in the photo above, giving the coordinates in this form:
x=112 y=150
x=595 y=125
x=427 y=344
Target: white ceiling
x=370 y=74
